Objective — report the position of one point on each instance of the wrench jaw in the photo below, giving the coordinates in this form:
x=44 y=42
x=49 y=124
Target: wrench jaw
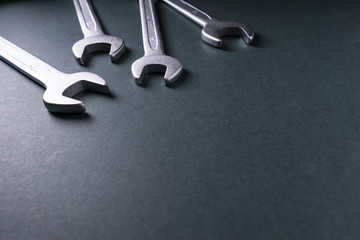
x=58 y=95
x=99 y=43
x=62 y=104
x=215 y=30
x=154 y=64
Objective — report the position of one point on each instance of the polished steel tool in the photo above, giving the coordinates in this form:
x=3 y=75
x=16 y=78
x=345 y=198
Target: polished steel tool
x=154 y=59
x=94 y=37
x=213 y=29
x=60 y=87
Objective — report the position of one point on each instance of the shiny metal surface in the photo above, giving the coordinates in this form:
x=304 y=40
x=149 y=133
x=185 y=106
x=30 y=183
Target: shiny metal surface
x=154 y=60
x=95 y=39
x=213 y=29
x=60 y=87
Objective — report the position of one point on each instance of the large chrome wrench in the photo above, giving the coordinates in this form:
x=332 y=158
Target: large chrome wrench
x=213 y=29
x=60 y=87
x=95 y=39
x=154 y=59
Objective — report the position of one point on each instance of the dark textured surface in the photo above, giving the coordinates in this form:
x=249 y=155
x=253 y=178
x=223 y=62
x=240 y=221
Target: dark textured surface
x=257 y=142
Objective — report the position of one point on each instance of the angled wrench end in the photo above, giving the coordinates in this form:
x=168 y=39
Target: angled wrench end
x=138 y=69
x=59 y=106
x=173 y=72
x=248 y=33
x=212 y=38
x=214 y=30
x=117 y=49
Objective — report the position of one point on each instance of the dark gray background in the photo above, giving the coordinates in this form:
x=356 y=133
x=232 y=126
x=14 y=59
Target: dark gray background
x=254 y=142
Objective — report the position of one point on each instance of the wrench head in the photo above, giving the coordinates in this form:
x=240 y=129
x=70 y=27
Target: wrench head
x=57 y=96
x=157 y=63
x=98 y=43
x=216 y=29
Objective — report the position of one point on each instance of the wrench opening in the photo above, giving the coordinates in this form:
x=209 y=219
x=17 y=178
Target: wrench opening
x=81 y=86
x=157 y=64
x=82 y=48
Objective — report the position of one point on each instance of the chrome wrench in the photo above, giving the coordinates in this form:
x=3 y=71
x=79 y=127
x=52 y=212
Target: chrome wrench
x=60 y=87
x=95 y=39
x=154 y=60
x=213 y=29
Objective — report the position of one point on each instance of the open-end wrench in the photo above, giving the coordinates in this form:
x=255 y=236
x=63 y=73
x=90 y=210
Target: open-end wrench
x=60 y=87
x=213 y=29
x=154 y=59
x=94 y=37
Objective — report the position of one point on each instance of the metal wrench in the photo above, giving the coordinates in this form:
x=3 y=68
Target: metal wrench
x=213 y=29
x=154 y=59
x=60 y=87
x=94 y=37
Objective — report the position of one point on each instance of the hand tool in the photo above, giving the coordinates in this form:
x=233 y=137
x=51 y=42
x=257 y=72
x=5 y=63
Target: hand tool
x=213 y=29
x=94 y=37
x=154 y=59
x=60 y=87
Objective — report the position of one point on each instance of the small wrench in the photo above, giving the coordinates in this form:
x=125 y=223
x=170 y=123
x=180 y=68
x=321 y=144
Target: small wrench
x=154 y=59
x=213 y=29
x=94 y=37
x=60 y=87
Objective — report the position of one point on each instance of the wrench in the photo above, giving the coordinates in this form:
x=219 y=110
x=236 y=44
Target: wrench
x=213 y=29
x=154 y=59
x=60 y=87
x=94 y=37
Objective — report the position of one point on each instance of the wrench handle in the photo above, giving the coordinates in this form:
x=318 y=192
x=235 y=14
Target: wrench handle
x=26 y=63
x=89 y=22
x=189 y=11
x=150 y=28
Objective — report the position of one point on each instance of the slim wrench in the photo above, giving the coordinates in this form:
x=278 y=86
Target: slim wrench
x=94 y=37
x=154 y=60
x=213 y=29
x=59 y=86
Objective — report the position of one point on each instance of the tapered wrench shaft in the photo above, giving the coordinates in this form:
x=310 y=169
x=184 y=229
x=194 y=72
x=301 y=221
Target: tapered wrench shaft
x=190 y=11
x=30 y=65
x=152 y=40
x=89 y=22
